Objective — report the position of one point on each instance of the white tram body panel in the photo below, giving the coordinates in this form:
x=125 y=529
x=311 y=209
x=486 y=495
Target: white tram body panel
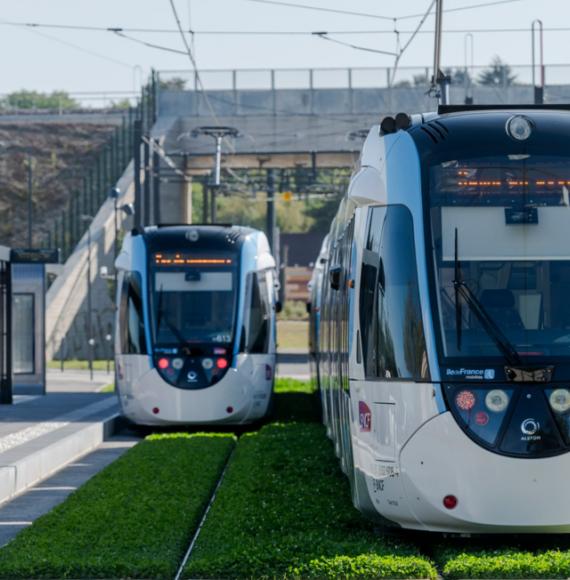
x=152 y=395
x=465 y=426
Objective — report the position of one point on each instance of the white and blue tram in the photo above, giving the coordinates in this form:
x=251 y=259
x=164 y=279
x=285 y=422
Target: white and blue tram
x=444 y=322
x=195 y=327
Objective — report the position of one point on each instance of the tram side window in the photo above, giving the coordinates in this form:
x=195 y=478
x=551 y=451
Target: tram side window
x=391 y=320
x=132 y=322
x=257 y=329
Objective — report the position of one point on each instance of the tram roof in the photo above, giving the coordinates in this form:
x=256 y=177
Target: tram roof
x=213 y=236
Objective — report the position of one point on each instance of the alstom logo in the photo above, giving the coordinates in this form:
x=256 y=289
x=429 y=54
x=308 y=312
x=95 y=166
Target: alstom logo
x=364 y=417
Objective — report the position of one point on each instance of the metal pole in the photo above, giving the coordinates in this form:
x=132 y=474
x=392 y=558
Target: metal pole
x=469 y=44
x=146 y=185
x=439 y=82
x=30 y=200
x=137 y=133
x=205 y=203
x=89 y=304
x=218 y=160
x=538 y=90
x=156 y=183
x=271 y=218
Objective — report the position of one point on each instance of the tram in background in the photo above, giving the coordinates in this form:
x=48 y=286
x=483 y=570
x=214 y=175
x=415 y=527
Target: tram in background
x=196 y=325
x=444 y=322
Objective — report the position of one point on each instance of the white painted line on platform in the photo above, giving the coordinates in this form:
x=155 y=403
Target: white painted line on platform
x=24 y=398
x=54 y=488
x=25 y=435
x=16 y=523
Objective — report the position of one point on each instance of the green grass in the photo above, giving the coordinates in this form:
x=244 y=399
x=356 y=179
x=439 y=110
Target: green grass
x=133 y=519
x=284 y=510
x=80 y=365
x=293 y=335
x=295 y=401
x=110 y=388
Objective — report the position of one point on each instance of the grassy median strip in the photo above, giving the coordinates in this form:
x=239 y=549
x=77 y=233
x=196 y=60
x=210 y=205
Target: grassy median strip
x=284 y=510
x=134 y=519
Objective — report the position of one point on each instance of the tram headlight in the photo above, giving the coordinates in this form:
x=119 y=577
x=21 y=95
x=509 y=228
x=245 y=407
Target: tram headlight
x=497 y=400
x=465 y=400
x=560 y=400
x=519 y=128
x=207 y=363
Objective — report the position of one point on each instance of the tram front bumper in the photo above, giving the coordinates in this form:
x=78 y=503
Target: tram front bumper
x=152 y=401
x=495 y=493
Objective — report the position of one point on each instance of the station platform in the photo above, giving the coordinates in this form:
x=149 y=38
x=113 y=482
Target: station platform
x=39 y=435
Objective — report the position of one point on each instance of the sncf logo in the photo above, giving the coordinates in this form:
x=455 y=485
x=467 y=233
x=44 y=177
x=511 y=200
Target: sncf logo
x=364 y=416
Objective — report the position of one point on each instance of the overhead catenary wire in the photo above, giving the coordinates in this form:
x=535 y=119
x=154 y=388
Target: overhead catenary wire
x=388 y=31
x=325 y=36
x=196 y=71
x=80 y=48
x=379 y=16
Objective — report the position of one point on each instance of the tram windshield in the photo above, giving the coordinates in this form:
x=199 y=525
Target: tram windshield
x=193 y=299
x=500 y=228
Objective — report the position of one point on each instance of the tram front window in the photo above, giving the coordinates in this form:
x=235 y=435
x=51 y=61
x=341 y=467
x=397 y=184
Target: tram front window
x=194 y=303
x=502 y=261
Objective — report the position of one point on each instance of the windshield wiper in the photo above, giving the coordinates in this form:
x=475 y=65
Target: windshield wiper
x=486 y=321
x=160 y=315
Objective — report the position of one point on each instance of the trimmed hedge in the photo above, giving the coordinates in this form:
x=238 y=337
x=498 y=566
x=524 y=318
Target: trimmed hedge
x=133 y=519
x=284 y=510
x=506 y=563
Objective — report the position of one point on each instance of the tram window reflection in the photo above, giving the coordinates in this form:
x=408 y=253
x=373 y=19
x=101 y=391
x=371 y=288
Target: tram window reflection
x=391 y=321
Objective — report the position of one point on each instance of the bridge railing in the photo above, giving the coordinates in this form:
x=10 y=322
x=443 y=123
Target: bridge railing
x=500 y=75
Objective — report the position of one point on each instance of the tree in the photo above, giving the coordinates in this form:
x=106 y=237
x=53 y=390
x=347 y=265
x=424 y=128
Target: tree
x=173 y=84
x=497 y=74
x=56 y=100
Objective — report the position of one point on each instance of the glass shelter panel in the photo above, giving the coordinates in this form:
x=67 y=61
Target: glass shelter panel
x=23 y=339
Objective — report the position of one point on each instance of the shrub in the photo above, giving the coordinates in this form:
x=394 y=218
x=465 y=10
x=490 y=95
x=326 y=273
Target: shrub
x=133 y=519
x=507 y=563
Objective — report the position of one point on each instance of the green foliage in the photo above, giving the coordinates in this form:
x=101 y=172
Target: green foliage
x=133 y=519
x=365 y=566
x=295 y=401
x=55 y=100
x=497 y=75
x=507 y=563
x=284 y=510
x=322 y=212
x=173 y=84
x=294 y=310
x=121 y=105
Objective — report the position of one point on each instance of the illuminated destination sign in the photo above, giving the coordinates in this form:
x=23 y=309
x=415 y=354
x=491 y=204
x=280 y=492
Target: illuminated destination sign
x=513 y=180
x=175 y=259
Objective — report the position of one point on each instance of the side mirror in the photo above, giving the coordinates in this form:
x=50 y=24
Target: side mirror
x=334 y=277
x=308 y=306
x=278 y=306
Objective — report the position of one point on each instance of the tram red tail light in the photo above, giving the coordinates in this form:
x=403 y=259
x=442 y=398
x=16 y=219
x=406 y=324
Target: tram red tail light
x=163 y=363
x=222 y=363
x=450 y=502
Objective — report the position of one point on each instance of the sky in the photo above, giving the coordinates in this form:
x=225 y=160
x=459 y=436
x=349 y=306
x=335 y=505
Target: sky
x=84 y=61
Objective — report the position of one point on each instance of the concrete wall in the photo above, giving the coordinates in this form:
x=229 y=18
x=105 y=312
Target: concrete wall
x=67 y=314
